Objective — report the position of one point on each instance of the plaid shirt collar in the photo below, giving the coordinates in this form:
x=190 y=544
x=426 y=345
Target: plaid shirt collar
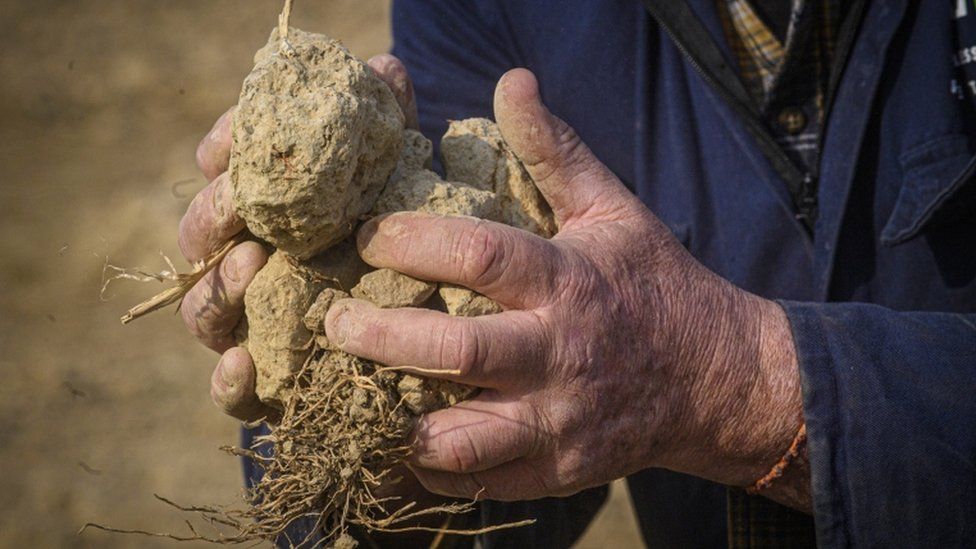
x=766 y=63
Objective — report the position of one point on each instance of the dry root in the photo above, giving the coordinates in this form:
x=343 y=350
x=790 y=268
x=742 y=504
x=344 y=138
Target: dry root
x=339 y=439
x=184 y=281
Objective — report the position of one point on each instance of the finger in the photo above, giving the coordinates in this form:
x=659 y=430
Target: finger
x=213 y=307
x=516 y=268
x=394 y=74
x=210 y=220
x=475 y=435
x=232 y=387
x=572 y=179
x=486 y=351
x=213 y=152
x=517 y=480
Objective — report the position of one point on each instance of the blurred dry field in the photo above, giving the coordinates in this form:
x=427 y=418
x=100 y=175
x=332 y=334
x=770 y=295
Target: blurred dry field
x=101 y=106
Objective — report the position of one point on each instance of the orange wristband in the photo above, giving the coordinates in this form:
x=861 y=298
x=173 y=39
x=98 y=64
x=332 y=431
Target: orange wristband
x=799 y=441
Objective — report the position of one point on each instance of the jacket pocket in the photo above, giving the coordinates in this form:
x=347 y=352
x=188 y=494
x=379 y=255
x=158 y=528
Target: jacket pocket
x=933 y=173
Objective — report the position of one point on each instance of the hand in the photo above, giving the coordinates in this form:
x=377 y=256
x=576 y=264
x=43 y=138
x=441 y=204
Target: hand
x=213 y=308
x=617 y=350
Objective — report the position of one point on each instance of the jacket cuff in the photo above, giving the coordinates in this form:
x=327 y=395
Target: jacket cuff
x=890 y=413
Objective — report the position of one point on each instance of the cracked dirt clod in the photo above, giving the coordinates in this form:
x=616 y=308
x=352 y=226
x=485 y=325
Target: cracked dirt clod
x=389 y=289
x=474 y=152
x=315 y=137
x=276 y=302
x=424 y=191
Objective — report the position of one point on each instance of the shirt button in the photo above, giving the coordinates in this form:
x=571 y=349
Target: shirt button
x=792 y=120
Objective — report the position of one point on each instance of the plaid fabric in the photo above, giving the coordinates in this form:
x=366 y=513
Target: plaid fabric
x=787 y=77
x=759 y=52
x=757 y=522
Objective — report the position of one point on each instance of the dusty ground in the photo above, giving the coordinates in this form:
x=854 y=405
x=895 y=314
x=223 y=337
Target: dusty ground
x=101 y=106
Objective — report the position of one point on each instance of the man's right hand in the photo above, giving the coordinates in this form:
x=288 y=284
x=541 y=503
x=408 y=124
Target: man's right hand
x=214 y=307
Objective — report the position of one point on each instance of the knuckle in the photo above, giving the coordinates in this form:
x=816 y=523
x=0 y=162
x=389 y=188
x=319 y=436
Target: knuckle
x=220 y=394
x=483 y=255
x=217 y=396
x=567 y=140
x=182 y=239
x=463 y=349
x=207 y=317
x=567 y=149
x=462 y=453
x=539 y=431
x=379 y=339
x=187 y=238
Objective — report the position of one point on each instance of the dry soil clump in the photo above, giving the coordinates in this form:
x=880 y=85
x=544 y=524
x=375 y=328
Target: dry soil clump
x=318 y=145
x=316 y=135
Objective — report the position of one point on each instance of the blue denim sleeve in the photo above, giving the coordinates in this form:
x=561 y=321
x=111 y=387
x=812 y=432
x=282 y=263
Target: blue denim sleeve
x=891 y=419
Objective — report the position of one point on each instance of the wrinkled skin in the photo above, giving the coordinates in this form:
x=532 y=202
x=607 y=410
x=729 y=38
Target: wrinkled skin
x=617 y=350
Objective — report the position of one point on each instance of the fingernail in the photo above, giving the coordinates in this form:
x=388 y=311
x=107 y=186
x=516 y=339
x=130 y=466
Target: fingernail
x=230 y=267
x=342 y=326
x=381 y=233
x=366 y=233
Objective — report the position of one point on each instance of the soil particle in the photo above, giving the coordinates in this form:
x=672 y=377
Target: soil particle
x=422 y=395
x=389 y=289
x=461 y=301
x=314 y=319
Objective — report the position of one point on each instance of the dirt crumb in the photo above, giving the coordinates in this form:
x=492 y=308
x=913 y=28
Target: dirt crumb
x=389 y=289
x=423 y=395
x=418 y=151
x=461 y=301
x=314 y=319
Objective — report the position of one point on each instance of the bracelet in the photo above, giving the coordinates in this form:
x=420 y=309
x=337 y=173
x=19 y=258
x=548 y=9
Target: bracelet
x=799 y=441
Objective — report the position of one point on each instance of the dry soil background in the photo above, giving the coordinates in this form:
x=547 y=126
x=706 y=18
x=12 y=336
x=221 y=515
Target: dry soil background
x=101 y=105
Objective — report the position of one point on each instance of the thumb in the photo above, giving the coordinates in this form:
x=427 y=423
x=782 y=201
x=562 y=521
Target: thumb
x=574 y=182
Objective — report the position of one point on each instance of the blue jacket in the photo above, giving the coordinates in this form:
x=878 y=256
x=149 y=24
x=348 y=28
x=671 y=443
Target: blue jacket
x=881 y=298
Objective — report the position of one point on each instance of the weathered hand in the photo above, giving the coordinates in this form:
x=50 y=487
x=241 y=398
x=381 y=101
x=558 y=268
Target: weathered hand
x=616 y=351
x=215 y=305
